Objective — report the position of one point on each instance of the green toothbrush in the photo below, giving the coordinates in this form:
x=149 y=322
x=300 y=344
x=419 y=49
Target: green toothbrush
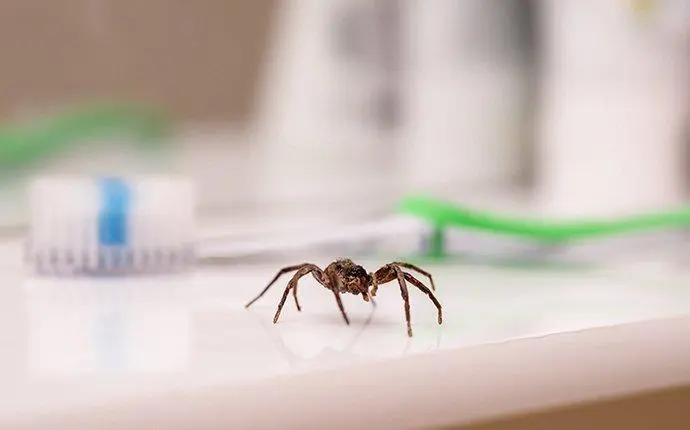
x=27 y=144
x=442 y=215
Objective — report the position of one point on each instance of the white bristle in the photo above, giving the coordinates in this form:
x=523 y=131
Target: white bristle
x=154 y=229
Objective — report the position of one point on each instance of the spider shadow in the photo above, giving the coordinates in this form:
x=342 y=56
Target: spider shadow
x=340 y=354
x=294 y=359
x=336 y=318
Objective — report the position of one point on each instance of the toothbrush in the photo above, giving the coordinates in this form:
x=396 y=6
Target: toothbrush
x=111 y=225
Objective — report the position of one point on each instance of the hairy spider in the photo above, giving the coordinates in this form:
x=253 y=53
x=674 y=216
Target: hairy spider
x=345 y=276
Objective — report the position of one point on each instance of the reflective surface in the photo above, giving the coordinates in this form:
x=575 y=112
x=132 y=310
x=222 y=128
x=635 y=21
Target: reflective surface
x=65 y=341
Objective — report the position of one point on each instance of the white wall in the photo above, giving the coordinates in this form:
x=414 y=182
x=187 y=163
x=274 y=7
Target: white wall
x=614 y=108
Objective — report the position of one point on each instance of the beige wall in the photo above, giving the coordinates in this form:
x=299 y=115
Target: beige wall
x=198 y=58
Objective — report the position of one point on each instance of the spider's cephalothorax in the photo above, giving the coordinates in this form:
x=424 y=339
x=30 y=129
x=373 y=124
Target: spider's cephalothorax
x=345 y=276
x=348 y=277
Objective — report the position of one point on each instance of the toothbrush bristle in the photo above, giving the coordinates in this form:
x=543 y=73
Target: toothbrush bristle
x=85 y=226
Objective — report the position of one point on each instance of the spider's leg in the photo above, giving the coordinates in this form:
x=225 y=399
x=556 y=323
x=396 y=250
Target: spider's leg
x=374 y=285
x=406 y=297
x=317 y=274
x=280 y=273
x=305 y=269
x=417 y=269
x=369 y=294
x=340 y=306
x=417 y=283
x=294 y=294
x=383 y=275
x=372 y=301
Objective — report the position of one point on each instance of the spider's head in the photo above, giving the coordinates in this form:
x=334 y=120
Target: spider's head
x=356 y=279
x=352 y=278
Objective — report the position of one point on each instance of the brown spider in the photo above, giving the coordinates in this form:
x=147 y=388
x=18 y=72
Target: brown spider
x=344 y=276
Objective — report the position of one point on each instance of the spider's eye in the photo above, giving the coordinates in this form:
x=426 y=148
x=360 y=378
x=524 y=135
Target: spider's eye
x=356 y=271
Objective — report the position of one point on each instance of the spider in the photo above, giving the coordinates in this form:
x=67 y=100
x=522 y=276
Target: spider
x=345 y=276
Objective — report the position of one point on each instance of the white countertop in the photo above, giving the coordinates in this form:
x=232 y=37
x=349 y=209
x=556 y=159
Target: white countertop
x=74 y=347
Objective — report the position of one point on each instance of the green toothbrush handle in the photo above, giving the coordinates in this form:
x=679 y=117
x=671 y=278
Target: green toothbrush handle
x=22 y=145
x=442 y=214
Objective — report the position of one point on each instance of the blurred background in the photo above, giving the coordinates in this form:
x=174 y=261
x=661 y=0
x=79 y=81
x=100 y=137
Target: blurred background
x=315 y=113
x=333 y=110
